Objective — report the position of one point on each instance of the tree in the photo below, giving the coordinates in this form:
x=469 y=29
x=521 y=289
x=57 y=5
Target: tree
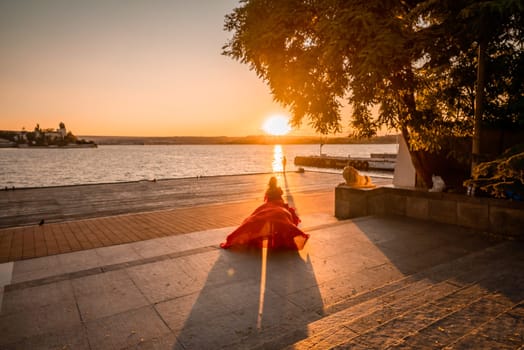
x=70 y=138
x=403 y=57
x=485 y=37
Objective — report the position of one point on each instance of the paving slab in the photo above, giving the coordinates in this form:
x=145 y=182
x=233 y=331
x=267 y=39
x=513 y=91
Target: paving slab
x=129 y=328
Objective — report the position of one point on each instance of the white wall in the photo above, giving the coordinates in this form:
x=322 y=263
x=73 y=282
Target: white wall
x=404 y=175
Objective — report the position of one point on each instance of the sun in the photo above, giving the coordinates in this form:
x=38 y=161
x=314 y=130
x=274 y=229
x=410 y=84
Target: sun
x=276 y=125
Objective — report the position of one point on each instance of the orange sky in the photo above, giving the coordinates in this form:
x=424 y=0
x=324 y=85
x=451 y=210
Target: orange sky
x=133 y=67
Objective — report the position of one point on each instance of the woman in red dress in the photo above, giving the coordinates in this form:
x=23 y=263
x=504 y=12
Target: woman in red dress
x=271 y=225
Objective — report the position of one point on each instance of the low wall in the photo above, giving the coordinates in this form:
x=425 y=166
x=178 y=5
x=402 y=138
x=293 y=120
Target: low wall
x=501 y=217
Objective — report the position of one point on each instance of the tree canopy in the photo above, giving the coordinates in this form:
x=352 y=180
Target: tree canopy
x=408 y=65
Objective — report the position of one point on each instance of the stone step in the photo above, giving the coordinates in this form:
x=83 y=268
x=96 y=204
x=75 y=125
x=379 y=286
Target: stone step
x=506 y=331
x=440 y=323
x=457 y=271
x=484 y=318
x=472 y=302
x=408 y=301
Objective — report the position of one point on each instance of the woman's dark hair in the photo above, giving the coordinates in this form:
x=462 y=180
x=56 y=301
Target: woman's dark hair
x=272 y=182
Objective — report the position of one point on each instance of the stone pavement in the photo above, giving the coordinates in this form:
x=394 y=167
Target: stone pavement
x=62 y=237
x=129 y=212
x=23 y=207
x=367 y=283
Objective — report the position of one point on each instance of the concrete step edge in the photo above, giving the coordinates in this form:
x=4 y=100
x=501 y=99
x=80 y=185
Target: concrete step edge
x=478 y=330
x=504 y=280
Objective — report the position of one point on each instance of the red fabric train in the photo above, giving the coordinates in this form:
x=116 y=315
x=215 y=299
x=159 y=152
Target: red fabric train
x=272 y=225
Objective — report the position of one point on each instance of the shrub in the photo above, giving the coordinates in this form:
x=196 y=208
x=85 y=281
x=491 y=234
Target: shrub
x=502 y=177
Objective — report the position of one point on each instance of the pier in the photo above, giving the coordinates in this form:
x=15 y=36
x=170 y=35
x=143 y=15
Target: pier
x=382 y=161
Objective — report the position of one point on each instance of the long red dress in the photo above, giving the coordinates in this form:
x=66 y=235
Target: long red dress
x=272 y=225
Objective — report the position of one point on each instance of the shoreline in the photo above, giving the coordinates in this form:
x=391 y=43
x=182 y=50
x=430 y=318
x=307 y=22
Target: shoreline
x=126 y=182
x=234 y=140
x=309 y=170
x=25 y=146
x=54 y=204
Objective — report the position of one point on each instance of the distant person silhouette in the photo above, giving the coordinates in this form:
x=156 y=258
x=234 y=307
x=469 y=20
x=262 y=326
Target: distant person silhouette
x=284 y=161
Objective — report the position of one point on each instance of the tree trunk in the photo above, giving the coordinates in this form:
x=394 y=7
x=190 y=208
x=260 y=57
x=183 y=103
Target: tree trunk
x=408 y=100
x=479 y=103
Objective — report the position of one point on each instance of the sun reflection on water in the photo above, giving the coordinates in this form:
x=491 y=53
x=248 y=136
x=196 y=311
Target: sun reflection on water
x=278 y=155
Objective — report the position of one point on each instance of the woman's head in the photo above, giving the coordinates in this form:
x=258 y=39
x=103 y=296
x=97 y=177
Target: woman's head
x=272 y=182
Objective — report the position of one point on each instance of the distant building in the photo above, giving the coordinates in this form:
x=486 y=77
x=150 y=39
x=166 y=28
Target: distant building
x=42 y=137
x=52 y=134
x=21 y=136
x=62 y=130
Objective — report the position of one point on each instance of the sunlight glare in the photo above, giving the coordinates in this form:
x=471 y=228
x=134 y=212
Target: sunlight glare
x=278 y=154
x=276 y=125
x=262 y=288
x=266 y=229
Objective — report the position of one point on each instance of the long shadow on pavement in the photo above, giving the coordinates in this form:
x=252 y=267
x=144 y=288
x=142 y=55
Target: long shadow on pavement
x=438 y=253
x=244 y=302
x=250 y=297
x=414 y=245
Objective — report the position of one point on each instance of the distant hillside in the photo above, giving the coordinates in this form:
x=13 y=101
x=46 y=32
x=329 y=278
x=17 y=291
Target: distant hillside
x=226 y=140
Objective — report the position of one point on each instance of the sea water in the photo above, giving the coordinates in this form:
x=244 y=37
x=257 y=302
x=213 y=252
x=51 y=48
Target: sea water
x=31 y=167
